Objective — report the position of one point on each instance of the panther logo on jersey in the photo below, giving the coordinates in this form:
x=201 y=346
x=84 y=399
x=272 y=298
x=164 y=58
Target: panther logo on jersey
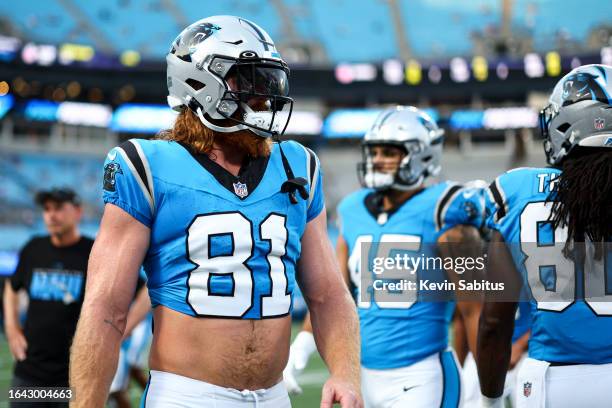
x=110 y=170
x=470 y=210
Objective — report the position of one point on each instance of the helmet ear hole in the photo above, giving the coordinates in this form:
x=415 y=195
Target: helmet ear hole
x=427 y=158
x=563 y=127
x=195 y=84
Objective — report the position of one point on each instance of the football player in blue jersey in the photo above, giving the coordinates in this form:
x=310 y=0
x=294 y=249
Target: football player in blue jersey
x=551 y=227
x=405 y=357
x=221 y=218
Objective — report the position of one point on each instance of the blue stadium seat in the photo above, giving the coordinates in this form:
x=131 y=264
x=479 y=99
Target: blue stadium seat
x=261 y=12
x=352 y=32
x=443 y=28
x=347 y=30
x=25 y=173
x=47 y=22
x=133 y=25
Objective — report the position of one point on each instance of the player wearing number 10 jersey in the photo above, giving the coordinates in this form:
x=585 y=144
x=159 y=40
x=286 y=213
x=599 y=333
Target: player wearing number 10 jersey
x=220 y=218
x=555 y=222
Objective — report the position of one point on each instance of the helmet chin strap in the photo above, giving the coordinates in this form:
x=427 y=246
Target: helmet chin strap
x=265 y=118
x=408 y=187
x=235 y=128
x=378 y=180
x=382 y=181
x=216 y=128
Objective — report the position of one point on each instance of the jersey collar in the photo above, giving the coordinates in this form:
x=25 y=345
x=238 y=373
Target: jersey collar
x=243 y=185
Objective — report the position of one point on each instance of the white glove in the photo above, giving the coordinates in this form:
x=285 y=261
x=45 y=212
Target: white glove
x=486 y=402
x=299 y=353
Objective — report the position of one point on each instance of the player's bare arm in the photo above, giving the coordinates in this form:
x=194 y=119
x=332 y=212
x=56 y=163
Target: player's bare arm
x=496 y=322
x=138 y=311
x=112 y=274
x=342 y=256
x=304 y=345
x=519 y=347
x=459 y=338
x=14 y=332
x=334 y=320
x=464 y=241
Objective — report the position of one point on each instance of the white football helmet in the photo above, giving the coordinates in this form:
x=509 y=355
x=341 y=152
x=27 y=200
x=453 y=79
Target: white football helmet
x=413 y=131
x=579 y=113
x=218 y=64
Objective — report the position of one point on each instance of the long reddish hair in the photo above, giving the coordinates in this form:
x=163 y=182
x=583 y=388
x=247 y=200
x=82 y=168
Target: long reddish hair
x=190 y=130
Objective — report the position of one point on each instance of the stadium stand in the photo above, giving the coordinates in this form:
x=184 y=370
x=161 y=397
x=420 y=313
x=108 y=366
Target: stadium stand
x=148 y=27
x=23 y=174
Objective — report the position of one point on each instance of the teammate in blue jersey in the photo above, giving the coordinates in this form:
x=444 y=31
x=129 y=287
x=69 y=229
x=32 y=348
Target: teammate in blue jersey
x=221 y=218
x=405 y=357
x=554 y=222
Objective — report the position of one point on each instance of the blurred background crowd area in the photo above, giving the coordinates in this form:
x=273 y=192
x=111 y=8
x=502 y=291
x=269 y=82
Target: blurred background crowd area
x=78 y=77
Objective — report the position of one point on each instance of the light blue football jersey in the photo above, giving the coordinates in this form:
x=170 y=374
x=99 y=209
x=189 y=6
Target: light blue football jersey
x=393 y=334
x=522 y=320
x=571 y=308
x=220 y=246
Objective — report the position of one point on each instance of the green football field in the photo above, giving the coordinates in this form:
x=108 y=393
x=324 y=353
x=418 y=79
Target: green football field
x=312 y=379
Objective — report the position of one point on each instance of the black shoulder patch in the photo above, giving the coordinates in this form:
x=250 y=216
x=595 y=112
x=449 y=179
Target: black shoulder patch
x=110 y=170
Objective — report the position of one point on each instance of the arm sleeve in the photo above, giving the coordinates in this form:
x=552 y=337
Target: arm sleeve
x=316 y=199
x=461 y=205
x=128 y=183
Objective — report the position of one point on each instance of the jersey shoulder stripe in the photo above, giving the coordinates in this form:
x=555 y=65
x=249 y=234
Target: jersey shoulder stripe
x=498 y=196
x=312 y=169
x=134 y=156
x=443 y=203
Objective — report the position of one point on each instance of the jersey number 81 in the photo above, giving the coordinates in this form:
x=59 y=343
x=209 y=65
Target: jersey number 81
x=240 y=230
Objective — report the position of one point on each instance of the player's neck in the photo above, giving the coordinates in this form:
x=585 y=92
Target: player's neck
x=67 y=238
x=394 y=198
x=227 y=157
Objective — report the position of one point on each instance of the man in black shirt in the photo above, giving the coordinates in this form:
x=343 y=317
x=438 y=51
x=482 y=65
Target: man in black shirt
x=52 y=270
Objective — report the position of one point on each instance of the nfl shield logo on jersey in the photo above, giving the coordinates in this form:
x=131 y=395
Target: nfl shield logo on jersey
x=599 y=123
x=241 y=189
x=527 y=389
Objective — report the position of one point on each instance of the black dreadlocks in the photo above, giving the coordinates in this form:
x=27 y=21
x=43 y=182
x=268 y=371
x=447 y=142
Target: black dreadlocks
x=582 y=197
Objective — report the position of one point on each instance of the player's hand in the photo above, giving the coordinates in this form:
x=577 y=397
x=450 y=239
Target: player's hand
x=290 y=381
x=299 y=353
x=17 y=343
x=515 y=356
x=342 y=392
